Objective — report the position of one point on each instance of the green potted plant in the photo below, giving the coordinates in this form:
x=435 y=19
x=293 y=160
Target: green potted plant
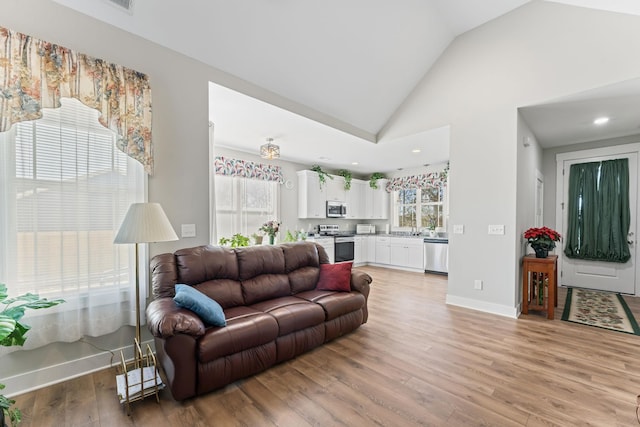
x=12 y=332
x=373 y=181
x=322 y=174
x=347 y=178
x=236 y=241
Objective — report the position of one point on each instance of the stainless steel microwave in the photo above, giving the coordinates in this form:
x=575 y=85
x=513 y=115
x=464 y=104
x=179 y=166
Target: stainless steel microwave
x=336 y=209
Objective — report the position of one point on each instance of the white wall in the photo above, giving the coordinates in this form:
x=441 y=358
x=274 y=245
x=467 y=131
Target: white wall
x=529 y=165
x=538 y=52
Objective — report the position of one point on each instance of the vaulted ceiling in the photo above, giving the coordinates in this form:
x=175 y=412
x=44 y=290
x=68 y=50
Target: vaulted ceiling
x=346 y=65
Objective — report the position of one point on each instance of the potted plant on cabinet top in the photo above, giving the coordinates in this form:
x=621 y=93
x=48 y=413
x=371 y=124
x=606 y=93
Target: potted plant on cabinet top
x=322 y=174
x=347 y=178
x=373 y=181
x=12 y=332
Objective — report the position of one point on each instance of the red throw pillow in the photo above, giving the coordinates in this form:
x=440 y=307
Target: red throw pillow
x=335 y=277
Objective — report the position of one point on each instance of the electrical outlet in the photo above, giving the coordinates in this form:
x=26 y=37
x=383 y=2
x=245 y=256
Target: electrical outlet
x=496 y=229
x=477 y=284
x=458 y=229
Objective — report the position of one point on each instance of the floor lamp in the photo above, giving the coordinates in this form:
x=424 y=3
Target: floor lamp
x=144 y=223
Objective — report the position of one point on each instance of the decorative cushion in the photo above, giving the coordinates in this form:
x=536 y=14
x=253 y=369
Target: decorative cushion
x=335 y=277
x=192 y=299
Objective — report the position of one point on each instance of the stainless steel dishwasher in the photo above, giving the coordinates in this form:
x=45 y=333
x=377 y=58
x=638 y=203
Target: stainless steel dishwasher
x=436 y=256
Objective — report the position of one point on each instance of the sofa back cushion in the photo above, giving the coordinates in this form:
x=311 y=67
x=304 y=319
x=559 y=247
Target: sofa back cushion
x=202 y=263
x=302 y=263
x=228 y=293
x=262 y=273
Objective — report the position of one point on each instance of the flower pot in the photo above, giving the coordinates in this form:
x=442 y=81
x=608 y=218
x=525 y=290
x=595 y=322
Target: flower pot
x=272 y=240
x=541 y=252
x=258 y=240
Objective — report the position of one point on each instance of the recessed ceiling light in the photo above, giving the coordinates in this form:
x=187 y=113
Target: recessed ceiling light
x=416 y=150
x=323 y=158
x=355 y=163
x=601 y=120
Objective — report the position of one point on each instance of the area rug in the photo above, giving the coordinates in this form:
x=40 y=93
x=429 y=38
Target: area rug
x=601 y=309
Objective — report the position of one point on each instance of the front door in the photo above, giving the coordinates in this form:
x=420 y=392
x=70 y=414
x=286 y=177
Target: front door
x=608 y=276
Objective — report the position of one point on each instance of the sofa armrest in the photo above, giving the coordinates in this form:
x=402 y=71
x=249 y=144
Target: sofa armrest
x=360 y=282
x=166 y=319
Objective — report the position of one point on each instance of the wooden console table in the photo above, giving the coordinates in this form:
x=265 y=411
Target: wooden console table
x=540 y=284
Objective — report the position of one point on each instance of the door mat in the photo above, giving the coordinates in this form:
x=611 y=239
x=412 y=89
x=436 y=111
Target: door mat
x=601 y=309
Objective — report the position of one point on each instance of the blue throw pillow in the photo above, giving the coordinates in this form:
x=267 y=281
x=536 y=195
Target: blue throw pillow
x=208 y=309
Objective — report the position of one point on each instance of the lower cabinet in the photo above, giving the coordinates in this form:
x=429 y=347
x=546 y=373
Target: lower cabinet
x=383 y=250
x=361 y=250
x=407 y=252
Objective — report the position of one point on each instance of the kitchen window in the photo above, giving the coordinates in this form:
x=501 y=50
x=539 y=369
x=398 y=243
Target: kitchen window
x=242 y=205
x=419 y=208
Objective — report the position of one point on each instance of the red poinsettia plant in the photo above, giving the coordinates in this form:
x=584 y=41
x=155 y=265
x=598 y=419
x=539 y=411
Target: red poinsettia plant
x=542 y=236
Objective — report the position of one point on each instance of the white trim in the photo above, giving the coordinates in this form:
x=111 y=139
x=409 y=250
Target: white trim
x=486 y=307
x=44 y=377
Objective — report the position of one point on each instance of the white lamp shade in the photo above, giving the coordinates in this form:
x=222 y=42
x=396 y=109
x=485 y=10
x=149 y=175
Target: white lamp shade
x=145 y=223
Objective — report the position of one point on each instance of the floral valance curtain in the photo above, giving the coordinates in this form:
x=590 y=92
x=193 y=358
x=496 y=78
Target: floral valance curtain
x=422 y=181
x=35 y=74
x=246 y=169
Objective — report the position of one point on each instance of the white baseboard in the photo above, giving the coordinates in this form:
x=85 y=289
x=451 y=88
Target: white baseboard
x=43 y=377
x=487 y=307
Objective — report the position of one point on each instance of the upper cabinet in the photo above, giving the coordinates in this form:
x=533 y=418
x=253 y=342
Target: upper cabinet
x=377 y=201
x=311 y=198
x=355 y=199
x=335 y=189
x=363 y=202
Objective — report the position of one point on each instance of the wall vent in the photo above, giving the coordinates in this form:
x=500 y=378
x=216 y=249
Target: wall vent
x=124 y=4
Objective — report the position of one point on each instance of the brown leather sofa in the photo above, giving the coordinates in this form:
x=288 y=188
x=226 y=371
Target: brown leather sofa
x=272 y=309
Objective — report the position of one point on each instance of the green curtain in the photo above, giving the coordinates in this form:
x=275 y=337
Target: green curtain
x=598 y=211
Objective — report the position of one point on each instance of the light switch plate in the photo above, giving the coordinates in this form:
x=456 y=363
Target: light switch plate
x=496 y=229
x=458 y=229
x=188 y=230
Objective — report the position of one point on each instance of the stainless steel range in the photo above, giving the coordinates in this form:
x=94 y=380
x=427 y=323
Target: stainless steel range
x=344 y=242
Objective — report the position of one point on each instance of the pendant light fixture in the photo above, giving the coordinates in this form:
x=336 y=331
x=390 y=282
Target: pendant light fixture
x=269 y=151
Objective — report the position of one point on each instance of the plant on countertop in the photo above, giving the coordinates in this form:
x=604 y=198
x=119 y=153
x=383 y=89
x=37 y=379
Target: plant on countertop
x=271 y=228
x=12 y=332
x=373 y=181
x=236 y=241
x=295 y=236
x=347 y=178
x=322 y=174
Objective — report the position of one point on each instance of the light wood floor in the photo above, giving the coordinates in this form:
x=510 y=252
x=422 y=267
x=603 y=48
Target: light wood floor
x=416 y=362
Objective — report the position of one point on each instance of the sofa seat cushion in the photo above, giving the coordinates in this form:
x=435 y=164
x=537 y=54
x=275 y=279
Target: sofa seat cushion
x=335 y=304
x=292 y=314
x=246 y=328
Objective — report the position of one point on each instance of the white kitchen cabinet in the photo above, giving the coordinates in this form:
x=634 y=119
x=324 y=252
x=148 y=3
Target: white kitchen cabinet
x=355 y=199
x=361 y=250
x=377 y=201
x=383 y=250
x=407 y=252
x=335 y=189
x=311 y=198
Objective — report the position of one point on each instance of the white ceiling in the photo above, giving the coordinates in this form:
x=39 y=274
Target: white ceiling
x=352 y=63
x=569 y=120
